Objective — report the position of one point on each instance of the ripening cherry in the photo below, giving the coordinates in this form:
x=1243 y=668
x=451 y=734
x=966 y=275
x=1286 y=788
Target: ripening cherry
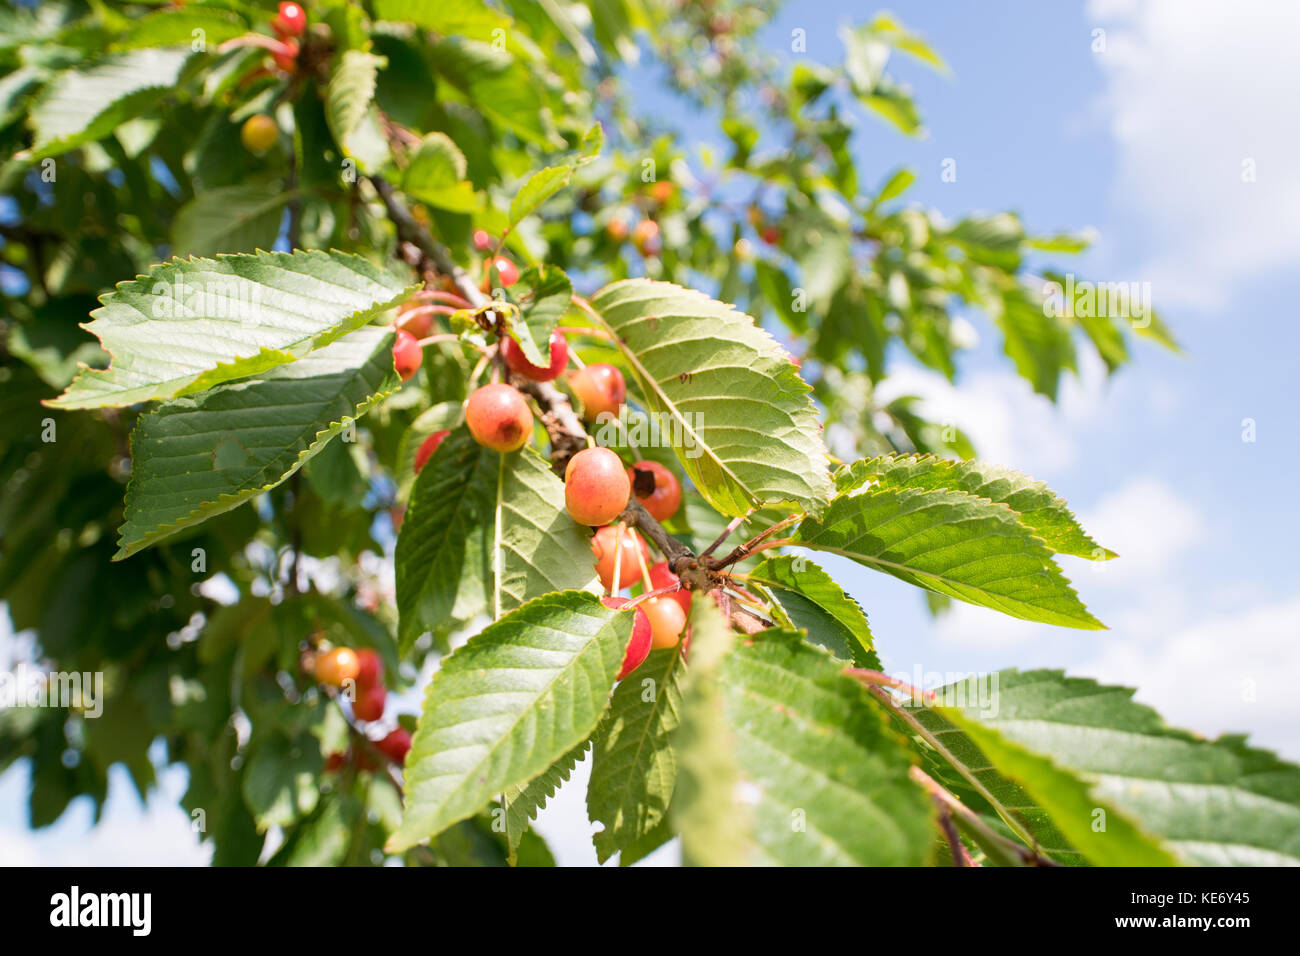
x=428 y=447
x=498 y=417
x=482 y=240
x=646 y=237
x=335 y=761
x=596 y=487
x=286 y=58
x=290 y=21
x=370 y=668
x=259 y=133
x=616 y=229
x=369 y=704
x=395 y=745
x=662 y=191
x=638 y=647
x=603 y=546
x=418 y=323
x=667 y=620
x=337 y=665
x=661 y=576
x=519 y=364
x=507 y=272
x=665 y=498
x=600 y=388
x=407 y=355
x=771 y=235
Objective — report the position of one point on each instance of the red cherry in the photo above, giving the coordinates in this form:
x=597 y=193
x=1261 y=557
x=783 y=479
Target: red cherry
x=286 y=58
x=638 y=647
x=604 y=547
x=499 y=418
x=483 y=240
x=428 y=447
x=335 y=761
x=519 y=364
x=419 y=325
x=407 y=355
x=666 y=498
x=771 y=235
x=596 y=487
x=507 y=272
x=290 y=21
x=370 y=668
x=662 y=577
x=369 y=704
x=600 y=388
x=395 y=746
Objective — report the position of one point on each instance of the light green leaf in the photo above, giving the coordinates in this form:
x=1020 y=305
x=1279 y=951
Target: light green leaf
x=242 y=218
x=1218 y=803
x=436 y=175
x=815 y=603
x=484 y=533
x=952 y=542
x=449 y=17
x=191 y=324
x=501 y=86
x=895 y=186
x=507 y=705
x=83 y=105
x=198 y=456
x=742 y=422
x=350 y=110
x=176 y=25
x=634 y=769
x=281 y=782
x=1040 y=509
x=522 y=803
x=441 y=417
x=545 y=183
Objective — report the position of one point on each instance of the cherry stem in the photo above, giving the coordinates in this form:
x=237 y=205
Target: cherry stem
x=427 y=310
x=726 y=533
x=442 y=337
x=437 y=295
x=616 y=579
x=582 y=330
x=256 y=39
x=751 y=546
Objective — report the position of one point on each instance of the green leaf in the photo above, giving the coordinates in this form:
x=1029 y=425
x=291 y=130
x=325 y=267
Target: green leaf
x=441 y=417
x=242 y=218
x=500 y=86
x=1219 y=803
x=740 y=417
x=176 y=26
x=951 y=542
x=634 y=769
x=815 y=603
x=715 y=831
x=522 y=803
x=895 y=186
x=825 y=776
x=448 y=17
x=545 y=183
x=350 y=110
x=484 y=533
x=1040 y=509
x=86 y=104
x=281 y=783
x=198 y=456
x=543 y=294
x=191 y=324
x=436 y=175
x=508 y=704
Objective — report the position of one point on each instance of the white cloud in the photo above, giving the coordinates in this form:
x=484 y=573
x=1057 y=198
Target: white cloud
x=1148 y=523
x=1197 y=89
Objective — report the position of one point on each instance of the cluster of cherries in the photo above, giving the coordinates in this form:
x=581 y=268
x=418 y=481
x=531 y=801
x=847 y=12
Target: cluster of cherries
x=259 y=132
x=597 y=485
x=365 y=670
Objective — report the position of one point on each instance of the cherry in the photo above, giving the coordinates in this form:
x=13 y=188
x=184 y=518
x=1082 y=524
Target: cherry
x=507 y=272
x=370 y=668
x=419 y=325
x=336 y=666
x=428 y=447
x=646 y=237
x=665 y=495
x=662 y=191
x=667 y=620
x=617 y=229
x=290 y=21
x=771 y=235
x=603 y=546
x=395 y=745
x=498 y=417
x=369 y=704
x=662 y=577
x=482 y=240
x=596 y=487
x=600 y=388
x=335 y=761
x=519 y=364
x=259 y=133
x=407 y=355
x=286 y=58
x=396 y=514
x=638 y=647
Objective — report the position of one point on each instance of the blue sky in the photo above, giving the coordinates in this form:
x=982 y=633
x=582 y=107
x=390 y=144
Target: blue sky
x=1145 y=143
